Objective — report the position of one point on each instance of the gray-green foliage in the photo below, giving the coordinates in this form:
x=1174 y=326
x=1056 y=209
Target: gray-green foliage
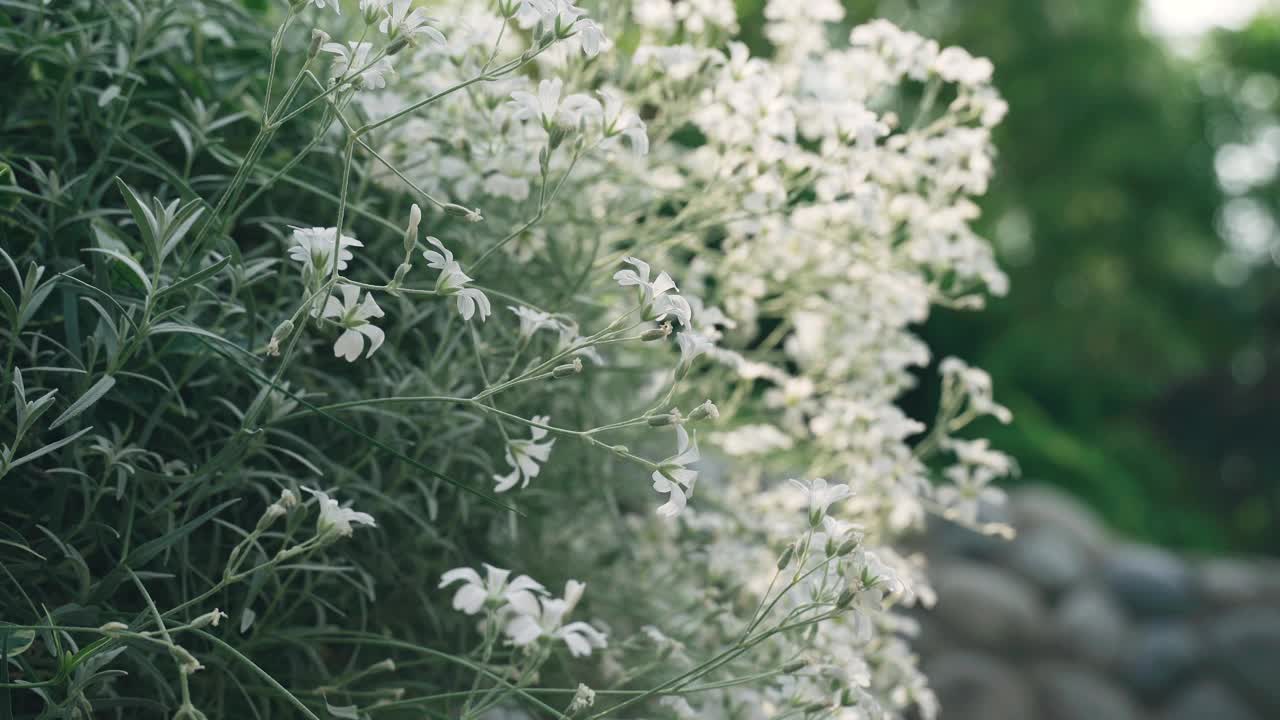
x=144 y=431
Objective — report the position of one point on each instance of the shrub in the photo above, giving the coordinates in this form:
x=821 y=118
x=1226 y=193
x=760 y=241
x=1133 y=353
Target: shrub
x=307 y=339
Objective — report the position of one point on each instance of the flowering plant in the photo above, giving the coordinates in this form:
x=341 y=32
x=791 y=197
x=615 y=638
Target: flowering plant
x=672 y=222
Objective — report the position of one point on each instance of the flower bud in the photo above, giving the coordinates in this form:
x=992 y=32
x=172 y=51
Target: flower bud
x=620 y=450
x=113 y=627
x=397 y=45
x=785 y=560
x=411 y=230
x=208 y=619
x=568 y=369
x=388 y=665
x=846 y=597
x=287 y=499
x=706 y=411
x=398 y=280
x=274 y=512
x=662 y=420
x=849 y=545
x=282 y=331
x=659 y=333
x=187 y=663
x=557 y=135
x=318 y=39
x=473 y=216
x=794 y=666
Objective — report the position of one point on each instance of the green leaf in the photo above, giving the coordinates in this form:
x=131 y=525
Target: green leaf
x=48 y=448
x=180 y=226
x=142 y=215
x=174 y=327
x=91 y=396
x=16 y=640
x=37 y=299
x=148 y=551
x=8 y=306
x=129 y=263
x=194 y=278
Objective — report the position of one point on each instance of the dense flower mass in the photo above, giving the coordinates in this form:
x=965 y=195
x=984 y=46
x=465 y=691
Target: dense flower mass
x=673 y=222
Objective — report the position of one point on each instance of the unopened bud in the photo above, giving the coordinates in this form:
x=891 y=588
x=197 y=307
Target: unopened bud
x=794 y=666
x=464 y=213
x=787 y=554
x=411 y=231
x=288 y=500
x=274 y=512
x=706 y=411
x=846 y=597
x=187 y=663
x=114 y=627
x=659 y=333
x=848 y=545
x=557 y=135
x=662 y=420
x=568 y=369
x=282 y=331
x=398 y=280
x=318 y=39
x=388 y=665
x=397 y=45
x=620 y=450
x=208 y=619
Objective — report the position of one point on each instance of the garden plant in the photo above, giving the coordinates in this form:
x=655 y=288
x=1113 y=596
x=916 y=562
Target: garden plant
x=511 y=359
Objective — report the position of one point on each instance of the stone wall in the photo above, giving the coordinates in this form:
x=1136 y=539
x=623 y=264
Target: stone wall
x=1069 y=623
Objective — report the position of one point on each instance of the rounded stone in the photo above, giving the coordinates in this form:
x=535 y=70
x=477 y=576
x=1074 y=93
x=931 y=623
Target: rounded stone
x=973 y=686
x=1246 y=648
x=1091 y=627
x=1071 y=692
x=1149 y=581
x=1161 y=655
x=1230 y=581
x=1208 y=700
x=1041 y=506
x=984 y=606
x=1050 y=558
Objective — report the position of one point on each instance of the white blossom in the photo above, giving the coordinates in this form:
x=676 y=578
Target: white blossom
x=544 y=617
x=358 y=57
x=674 y=477
x=404 y=20
x=313 y=247
x=452 y=281
x=526 y=457
x=354 y=315
x=335 y=519
x=494 y=590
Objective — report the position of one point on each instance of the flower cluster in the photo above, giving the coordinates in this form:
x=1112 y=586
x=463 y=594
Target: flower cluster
x=523 y=608
x=818 y=204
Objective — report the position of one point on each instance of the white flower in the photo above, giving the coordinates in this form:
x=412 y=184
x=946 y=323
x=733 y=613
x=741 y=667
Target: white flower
x=674 y=478
x=335 y=519
x=821 y=496
x=591 y=36
x=692 y=345
x=658 y=298
x=453 y=282
x=494 y=589
x=356 y=57
x=583 y=698
x=354 y=315
x=546 y=618
x=618 y=120
x=531 y=321
x=403 y=20
x=526 y=457
x=543 y=106
x=324 y=3
x=313 y=247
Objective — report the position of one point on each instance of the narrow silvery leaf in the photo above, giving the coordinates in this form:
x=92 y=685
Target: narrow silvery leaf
x=48 y=448
x=128 y=262
x=95 y=393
